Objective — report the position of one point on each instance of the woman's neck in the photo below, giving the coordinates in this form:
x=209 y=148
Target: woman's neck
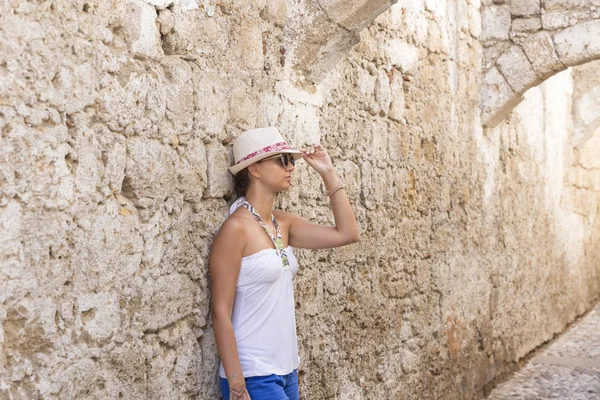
x=262 y=202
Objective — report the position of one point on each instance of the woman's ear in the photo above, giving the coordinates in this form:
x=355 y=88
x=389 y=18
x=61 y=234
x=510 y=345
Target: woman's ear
x=254 y=170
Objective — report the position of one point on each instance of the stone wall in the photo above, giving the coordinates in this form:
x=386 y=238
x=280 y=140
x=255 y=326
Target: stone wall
x=116 y=122
x=527 y=41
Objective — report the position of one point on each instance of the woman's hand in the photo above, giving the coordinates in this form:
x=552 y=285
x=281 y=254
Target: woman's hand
x=316 y=156
x=239 y=395
x=237 y=388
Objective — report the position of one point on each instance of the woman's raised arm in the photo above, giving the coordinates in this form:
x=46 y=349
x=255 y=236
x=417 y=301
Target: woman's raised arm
x=305 y=234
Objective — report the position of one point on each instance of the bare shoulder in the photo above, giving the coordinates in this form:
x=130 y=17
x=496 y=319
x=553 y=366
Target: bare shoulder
x=234 y=227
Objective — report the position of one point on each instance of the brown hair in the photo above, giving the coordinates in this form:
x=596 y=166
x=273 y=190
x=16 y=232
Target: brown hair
x=241 y=182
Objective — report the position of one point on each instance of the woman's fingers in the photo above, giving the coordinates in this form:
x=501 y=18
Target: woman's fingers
x=312 y=149
x=239 y=395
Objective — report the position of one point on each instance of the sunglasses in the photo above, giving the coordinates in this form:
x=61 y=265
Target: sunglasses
x=283 y=159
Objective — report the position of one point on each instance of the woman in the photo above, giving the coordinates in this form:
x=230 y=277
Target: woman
x=252 y=265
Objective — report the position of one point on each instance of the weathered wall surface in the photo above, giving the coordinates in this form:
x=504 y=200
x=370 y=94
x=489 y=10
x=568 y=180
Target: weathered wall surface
x=116 y=120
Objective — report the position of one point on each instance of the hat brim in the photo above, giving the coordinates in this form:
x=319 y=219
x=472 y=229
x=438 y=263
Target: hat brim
x=238 y=167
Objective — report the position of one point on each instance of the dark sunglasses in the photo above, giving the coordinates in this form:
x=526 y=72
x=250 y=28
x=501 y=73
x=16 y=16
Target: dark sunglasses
x=283 y=159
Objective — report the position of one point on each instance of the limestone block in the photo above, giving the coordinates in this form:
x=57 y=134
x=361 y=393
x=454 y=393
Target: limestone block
x=75 y=87
x=270 y=109
x=474 y=15
x=555 y=20
x=436 y=7
x=515 y=67
x=496 y=95
x=579 y=43
x=28 y=327
x=129 y=381
x=210 y=93
x=585 y=110
x=177 y=103
x=109 y=247
x=140 y=25
x=166 y=300
x=192 y=172
x=87 y=154
x=178 y=364
x=249 y=48
x=354 y=15
x=275 y=12
x=552 y=5
x=491 y=53
x=437 y=38
x=581 y=201
x=382 y=93
x=526 y=25
x=524 y=8
x=321 y=49
x=365 y=82
x=374 y=184
x=350 y=173
x=411 y=16
x=397 y=105
x=150 y=173
x=166 y=22
x=99 y=314
x=589 y=153
x=462 y=17
x=81 y=378
x=243 y=108
x=6 y=115
x=539 y=49
x=125 y=106
x=303 y=123
x=402 y=55
x=495 y=23
x=153 y=233
x=220 y=180
x=191 y=33
x=114 y=166
x=10 y=225
x=583 y=178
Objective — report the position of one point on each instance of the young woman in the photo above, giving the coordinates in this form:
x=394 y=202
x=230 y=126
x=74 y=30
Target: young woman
x=252 y=265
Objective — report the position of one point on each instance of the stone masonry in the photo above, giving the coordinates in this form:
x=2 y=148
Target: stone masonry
x=116 y=123
x=527 y=41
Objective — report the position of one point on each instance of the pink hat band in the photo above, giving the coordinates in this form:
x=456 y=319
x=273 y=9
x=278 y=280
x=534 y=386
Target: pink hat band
x=276 y=148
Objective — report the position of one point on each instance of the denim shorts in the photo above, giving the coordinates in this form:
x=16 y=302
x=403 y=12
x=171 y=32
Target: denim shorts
x=270 y=387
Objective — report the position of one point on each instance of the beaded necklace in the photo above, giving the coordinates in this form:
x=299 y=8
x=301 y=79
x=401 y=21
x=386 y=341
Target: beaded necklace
x=277 y=241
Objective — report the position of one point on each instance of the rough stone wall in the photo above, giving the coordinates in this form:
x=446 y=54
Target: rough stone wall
x=116 y=120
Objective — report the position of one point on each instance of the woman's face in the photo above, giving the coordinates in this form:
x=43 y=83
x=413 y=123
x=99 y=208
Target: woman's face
x=276 y=171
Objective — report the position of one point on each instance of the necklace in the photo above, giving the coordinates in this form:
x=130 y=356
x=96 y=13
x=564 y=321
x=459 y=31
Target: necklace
x=277 y=240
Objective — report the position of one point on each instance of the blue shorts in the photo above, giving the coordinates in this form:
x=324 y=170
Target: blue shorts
x=270 y=387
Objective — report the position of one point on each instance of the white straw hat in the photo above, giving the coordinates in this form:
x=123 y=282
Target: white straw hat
x=255 y=144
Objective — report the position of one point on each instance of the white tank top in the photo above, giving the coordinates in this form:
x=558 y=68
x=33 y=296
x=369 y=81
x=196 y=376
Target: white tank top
x=263 y=315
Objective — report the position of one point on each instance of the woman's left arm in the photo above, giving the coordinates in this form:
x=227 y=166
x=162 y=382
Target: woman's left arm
x=307 y=235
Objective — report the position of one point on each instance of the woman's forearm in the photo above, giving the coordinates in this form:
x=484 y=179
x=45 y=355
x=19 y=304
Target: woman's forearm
x=345 y=221
x=227 y=347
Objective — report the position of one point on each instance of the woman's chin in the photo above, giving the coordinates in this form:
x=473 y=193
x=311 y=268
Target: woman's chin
x=286 y=186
